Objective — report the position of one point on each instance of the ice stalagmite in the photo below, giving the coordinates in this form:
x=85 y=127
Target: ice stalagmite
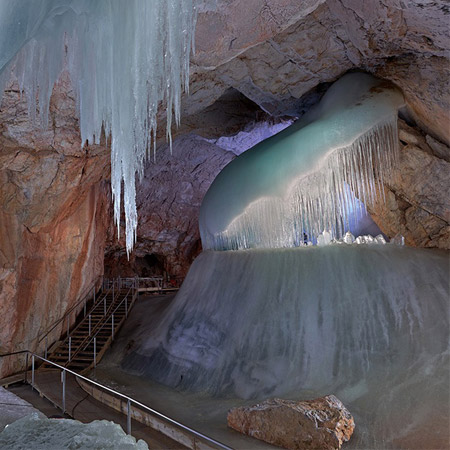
x=125 y=58
x=296 y=183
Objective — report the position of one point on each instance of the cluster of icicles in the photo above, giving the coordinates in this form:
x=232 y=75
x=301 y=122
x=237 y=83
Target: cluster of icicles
x=325 y=199
x=125 y=59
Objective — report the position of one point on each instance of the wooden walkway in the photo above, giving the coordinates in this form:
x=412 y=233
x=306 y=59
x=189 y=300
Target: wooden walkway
x=81 y=406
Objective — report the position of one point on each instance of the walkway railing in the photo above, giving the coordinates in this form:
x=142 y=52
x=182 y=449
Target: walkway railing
x=88 y=293
x=143 y=284
x=127 y=300
x=131 y=402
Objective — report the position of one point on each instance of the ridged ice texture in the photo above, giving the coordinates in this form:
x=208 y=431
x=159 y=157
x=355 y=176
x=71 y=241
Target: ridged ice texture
x=126 y=59
x=369 y=324
x=297 y=182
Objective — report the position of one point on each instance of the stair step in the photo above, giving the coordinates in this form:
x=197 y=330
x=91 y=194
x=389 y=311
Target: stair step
x=77 y=365
x=82 y=345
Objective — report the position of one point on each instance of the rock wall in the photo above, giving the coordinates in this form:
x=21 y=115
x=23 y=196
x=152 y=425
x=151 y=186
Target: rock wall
x=53 y=218
x=275 y=51
x=417 y=195
x=168 y=202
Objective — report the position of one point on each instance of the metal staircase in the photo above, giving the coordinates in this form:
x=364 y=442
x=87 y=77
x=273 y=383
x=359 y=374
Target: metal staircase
x=86 y=343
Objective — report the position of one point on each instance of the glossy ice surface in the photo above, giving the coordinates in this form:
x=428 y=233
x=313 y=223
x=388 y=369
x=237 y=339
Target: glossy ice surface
x=303 y=180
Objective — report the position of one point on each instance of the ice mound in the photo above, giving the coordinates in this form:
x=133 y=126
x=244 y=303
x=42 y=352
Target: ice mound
x=304 y=180
x=368 y=323
x=39 y=433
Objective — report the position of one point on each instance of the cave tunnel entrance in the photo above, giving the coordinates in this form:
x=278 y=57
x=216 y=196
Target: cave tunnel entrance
x=142 y=266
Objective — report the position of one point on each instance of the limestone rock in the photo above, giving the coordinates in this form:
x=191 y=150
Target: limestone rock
x=322 y=423
x=52 y=218
x=416 y=199
x=276 y=51
x=168 y=202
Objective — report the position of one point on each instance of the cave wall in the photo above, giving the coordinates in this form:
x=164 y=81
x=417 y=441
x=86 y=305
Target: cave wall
x=276 y=51
x=168 y=202
x=416 y=201
x=53 y=218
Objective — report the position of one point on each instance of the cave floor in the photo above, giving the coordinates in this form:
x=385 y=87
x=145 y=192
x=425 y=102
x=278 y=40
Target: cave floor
x=45 y=406
x=81 y=407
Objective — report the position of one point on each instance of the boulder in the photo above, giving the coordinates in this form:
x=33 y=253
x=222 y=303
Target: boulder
x=323 y=423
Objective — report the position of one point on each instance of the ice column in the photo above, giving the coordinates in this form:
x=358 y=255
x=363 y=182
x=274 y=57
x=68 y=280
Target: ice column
x=293 y=186
x=125 y=58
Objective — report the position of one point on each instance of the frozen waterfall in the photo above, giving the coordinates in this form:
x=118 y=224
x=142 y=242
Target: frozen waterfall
x=297 y=183
x=125 y=58
x=369 y=324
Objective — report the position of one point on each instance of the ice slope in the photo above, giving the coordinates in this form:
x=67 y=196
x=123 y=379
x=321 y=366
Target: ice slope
x=369 y=324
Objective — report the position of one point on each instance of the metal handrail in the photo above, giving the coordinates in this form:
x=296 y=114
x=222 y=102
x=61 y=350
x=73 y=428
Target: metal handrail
x=84 y=344
x=94 y=338
x=129 y=400
x=83 y=298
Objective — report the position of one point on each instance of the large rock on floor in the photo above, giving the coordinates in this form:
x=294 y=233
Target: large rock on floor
x=323 y=423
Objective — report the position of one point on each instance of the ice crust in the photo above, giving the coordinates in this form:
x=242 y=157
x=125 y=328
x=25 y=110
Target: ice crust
x=304 y=180
x=125 y=58
x=39 y=433
x=368 y=323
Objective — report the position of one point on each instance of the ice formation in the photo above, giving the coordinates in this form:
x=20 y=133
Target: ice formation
x=126 y=58
x=39 y=433
x=368 y=323
x=297 y=183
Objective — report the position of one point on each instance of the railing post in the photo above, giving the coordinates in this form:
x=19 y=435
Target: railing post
x=113 y=290
x=95 y=352
x=128 y=417
x=46 y=343
x=26 y=368
x=63 y=375
x=112 y=326
x=68 y=325
x=32 y=371
x=89 y=324
x=126 y=307
x=70 y=347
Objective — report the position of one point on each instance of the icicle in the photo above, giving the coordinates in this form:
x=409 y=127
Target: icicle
x=125 y=58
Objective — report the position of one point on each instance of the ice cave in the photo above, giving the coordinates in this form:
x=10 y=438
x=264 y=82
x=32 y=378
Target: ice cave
x=224 y=224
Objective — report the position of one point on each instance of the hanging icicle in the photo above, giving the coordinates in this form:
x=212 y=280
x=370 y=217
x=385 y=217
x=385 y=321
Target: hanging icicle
x=125 y=58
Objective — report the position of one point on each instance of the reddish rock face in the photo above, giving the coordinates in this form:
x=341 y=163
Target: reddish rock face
x=53 y=219
x=323 y=423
